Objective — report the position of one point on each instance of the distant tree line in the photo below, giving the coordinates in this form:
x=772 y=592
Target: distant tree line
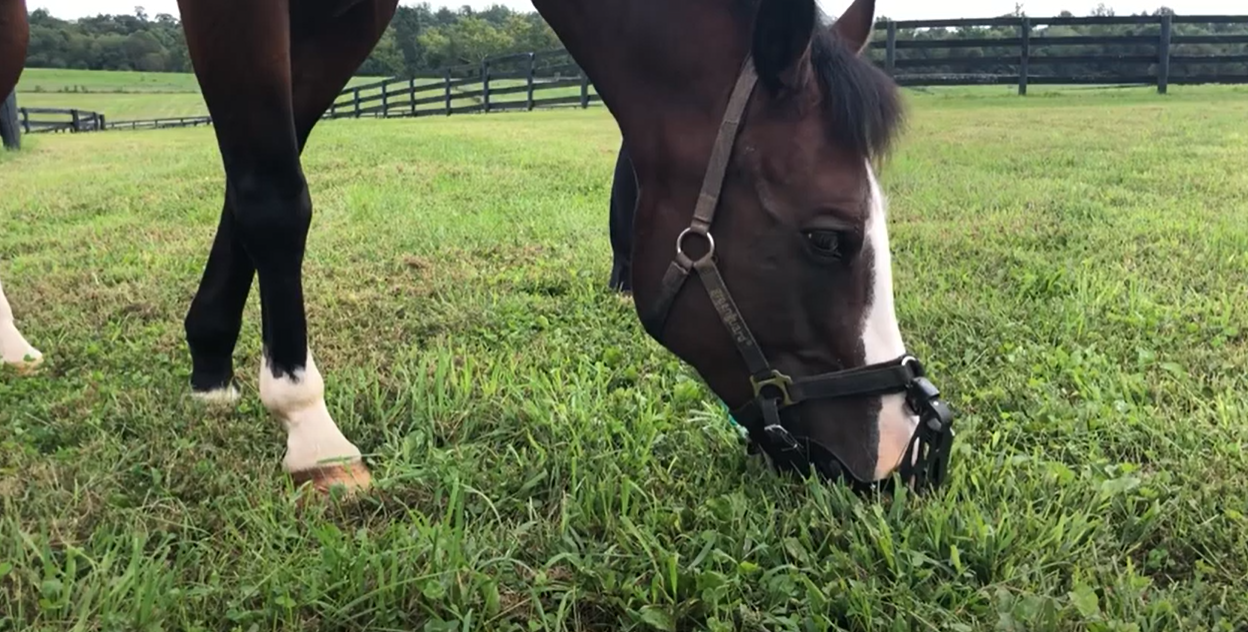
x=108 y=42
x=421 y=39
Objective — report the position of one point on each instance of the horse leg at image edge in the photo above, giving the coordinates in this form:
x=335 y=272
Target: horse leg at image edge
x=14 y=349
x=623 y=208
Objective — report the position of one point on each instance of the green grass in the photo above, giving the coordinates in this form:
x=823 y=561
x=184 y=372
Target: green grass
x=69 y=80
x=1071 y=268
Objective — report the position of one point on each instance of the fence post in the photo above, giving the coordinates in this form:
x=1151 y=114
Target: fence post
x=25 y=120
x=101 y=121
x=485 y=83
x=385 y=100
x=531 y=71
x=447 y=74
x=890 y=50
x=1024 y=32
x=411 y=94
x=584 y=89
x=1163 y=54
x=74 y=120
x=355 y=96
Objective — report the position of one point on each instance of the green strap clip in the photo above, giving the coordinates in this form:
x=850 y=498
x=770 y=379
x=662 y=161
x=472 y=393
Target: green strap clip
x=741 y=431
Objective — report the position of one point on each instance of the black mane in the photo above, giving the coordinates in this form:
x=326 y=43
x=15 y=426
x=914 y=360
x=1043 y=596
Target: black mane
x=861 y=101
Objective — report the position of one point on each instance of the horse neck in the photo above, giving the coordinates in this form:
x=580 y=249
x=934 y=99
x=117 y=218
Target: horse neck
x=656 y=65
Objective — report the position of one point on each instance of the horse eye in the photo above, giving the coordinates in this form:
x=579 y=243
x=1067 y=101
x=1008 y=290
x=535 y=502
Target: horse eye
x=826 y=243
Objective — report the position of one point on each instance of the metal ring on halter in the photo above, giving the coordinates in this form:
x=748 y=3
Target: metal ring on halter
x=909 y=359
x=680 y=240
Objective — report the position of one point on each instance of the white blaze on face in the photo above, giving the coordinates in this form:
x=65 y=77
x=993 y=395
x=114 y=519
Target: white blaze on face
x=14 y=350
x=881 y=336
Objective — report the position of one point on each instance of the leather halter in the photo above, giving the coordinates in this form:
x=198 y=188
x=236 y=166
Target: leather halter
x=774 y=392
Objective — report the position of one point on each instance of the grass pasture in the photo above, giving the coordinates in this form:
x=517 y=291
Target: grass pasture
x=68 y=80
x=1070 y=266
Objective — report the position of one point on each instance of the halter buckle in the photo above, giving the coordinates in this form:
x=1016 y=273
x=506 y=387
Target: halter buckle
x=922 y=393
x=778 y=380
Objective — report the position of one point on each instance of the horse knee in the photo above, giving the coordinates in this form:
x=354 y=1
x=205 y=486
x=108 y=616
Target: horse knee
x=272 y=207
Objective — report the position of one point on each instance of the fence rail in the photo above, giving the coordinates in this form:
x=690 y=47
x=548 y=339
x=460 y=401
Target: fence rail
x=160 y=123
x=36 y=120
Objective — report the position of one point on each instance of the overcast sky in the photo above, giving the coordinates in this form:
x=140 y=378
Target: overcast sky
x=896 y=9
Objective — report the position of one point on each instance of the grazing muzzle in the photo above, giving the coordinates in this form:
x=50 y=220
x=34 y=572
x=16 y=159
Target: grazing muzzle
x=925 y=462
x=926 y=458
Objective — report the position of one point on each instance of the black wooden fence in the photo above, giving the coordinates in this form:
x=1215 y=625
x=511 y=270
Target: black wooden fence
x=1144 y=50
x=35 y=120
x=523 y=81
x=1011 y=51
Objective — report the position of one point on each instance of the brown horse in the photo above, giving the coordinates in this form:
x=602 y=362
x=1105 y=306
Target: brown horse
x=750 y=117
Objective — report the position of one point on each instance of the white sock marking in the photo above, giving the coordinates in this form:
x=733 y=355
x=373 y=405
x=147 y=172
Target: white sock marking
x=312 y=437
x=881 y=336
x=14 y=349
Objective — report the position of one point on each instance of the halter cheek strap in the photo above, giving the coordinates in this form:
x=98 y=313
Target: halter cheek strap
x=703 y=216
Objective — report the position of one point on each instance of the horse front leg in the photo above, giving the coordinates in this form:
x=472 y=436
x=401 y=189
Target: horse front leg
x=216 y=314
x=241 y=50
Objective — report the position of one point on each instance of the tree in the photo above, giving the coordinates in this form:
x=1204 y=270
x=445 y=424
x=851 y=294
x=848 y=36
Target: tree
x=386 y=59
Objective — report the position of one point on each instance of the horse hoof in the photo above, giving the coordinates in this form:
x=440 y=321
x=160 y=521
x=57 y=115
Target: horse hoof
x=28 y=365
x=227 y=396
x=351 y=477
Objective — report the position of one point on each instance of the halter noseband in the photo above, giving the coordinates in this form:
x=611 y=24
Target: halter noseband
x=775 y=392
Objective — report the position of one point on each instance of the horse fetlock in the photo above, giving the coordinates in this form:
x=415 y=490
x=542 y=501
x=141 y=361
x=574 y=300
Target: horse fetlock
x=288 y=389
x=212 y=376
